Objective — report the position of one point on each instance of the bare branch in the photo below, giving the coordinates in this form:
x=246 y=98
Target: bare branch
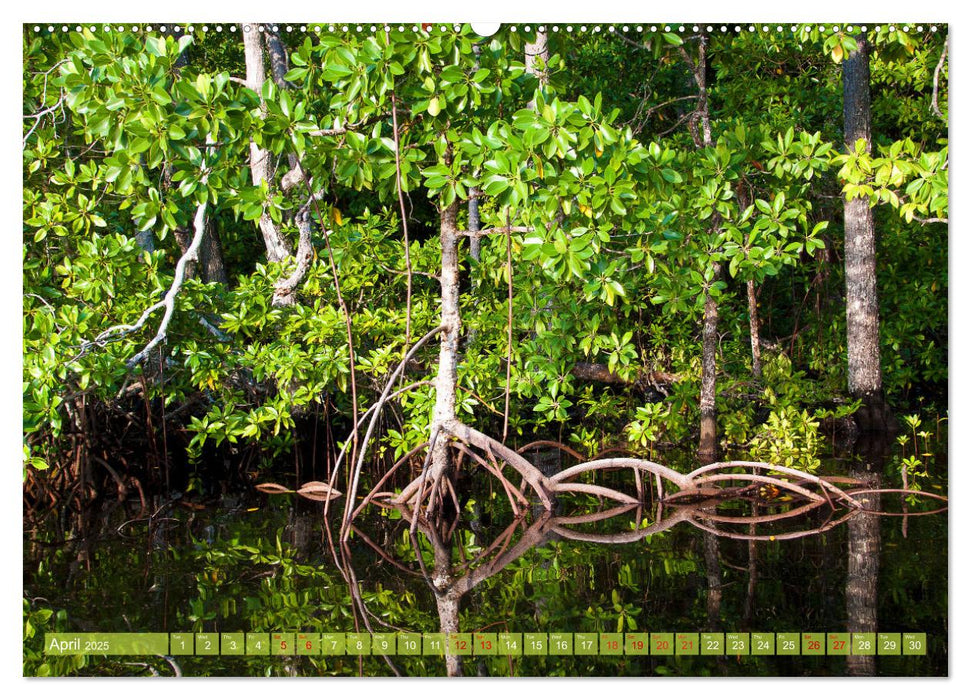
x=503 y=230
x=43 y=100
x=937 y=74
x=116 y=333
x=505 y=415
x=191 y=255
x=291 y=180
x=341 y=130
x=362 y=451
x=401 y=204
x=38 y=116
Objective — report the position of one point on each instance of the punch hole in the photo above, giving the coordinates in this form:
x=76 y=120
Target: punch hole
x=485 y=28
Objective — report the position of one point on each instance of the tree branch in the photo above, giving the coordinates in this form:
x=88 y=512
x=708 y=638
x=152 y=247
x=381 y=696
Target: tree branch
x=284 y=290
x=937 y=74
x=341 y=130
x=503 y=230
x=191 y=255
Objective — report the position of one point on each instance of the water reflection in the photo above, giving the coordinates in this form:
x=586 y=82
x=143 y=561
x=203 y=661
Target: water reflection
x=747 y=558
x=742 y=507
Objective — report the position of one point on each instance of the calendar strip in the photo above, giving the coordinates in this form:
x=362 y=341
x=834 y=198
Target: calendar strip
x=729 y=644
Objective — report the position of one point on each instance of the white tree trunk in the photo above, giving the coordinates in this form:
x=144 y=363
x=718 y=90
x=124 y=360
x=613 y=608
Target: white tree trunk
x=259 y=159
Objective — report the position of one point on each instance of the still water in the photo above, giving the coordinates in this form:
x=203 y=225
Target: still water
x=251 y=562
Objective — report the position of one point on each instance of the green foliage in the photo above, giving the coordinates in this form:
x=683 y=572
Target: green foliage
x=630 y=225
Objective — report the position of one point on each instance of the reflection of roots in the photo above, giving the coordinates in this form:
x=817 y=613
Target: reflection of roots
x=697 y=491
x=702 y=482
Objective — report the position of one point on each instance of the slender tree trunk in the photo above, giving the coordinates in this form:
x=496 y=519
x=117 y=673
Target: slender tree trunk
x=475 y=250
x=475 y=224
x=260 y=160
x=753 y=325
x=446 y=380
x=211 y=264
x=278 y=56
x=700 y=127
x=862 y=307
x=708 y=443
x=475 y=221
x=279 y=66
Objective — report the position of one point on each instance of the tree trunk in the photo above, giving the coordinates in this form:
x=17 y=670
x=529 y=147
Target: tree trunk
x=475 y=224
x=259 y=159
x=700 y=127
x=708 y=442
x=278 y=56
x=285 y=290
x=448 y=621
x=753 y=325
x=211 y=256
x=446 y=380
x=183 y=237
x=209 y=267
x=862 y=308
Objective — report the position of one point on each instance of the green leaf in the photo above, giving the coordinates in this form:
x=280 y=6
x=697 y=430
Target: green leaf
x=155 y=45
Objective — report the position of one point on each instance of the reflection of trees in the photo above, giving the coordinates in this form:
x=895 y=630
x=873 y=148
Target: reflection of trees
x=863 y=559
x=717 y=499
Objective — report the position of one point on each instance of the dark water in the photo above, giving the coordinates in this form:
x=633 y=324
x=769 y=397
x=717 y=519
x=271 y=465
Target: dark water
x=263 y=563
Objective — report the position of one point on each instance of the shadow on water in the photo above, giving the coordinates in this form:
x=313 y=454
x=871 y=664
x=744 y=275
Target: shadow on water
x=742 y=549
